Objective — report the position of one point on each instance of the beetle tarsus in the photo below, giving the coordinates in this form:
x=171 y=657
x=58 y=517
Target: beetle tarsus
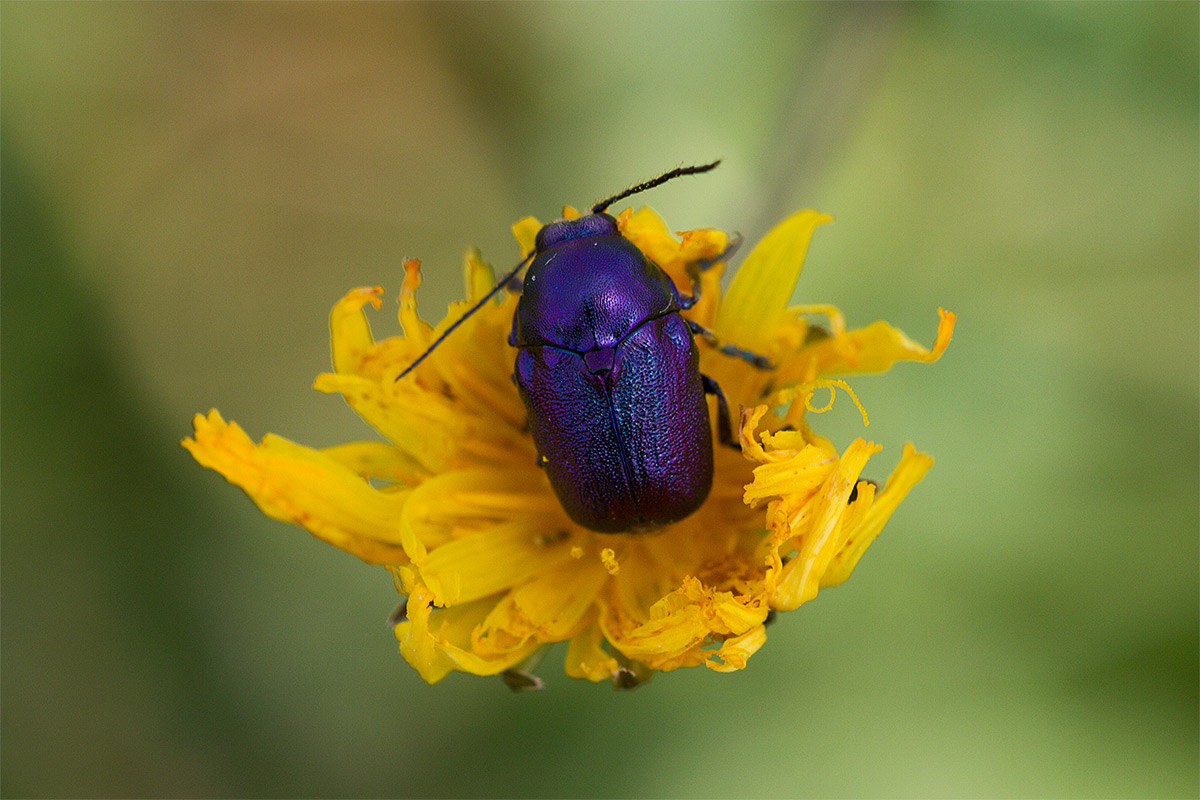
x=732 y=350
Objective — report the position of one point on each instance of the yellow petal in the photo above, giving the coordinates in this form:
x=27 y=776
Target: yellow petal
x=697 y=245
x=758 y=297
x=795 y=472
x=471 y=413
x=303 y=486
x=525 y=231
x=437 y=641
x=735 y=652
x=477 y=275
x=876 y=347
x=377 y=460
x=459 y=502
x=549 y=607
x=684 y=621
x=908 y=472
x=586 y=657
x=417 y=334
x=418 y=647
x=665 y=643
x=459 y=405
x=354 y=350
x=491 y=560
x=676 y=256
x=350 y=335
x=817 y=529
x=423 y=424
x=649 y=233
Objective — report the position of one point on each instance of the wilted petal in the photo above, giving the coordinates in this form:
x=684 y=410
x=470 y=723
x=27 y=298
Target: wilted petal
x=877 y=347
x=735 y=652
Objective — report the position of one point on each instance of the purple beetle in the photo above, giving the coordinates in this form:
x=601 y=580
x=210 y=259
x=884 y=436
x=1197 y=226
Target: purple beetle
x=609 y=372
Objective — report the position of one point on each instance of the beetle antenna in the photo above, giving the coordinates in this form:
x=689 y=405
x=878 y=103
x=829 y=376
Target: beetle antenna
x=661 y=179
x=499 y=285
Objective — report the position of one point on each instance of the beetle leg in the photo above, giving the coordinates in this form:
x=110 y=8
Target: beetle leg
x=724 y=425
x=734 y=244
x=750 y=357
x=705 y=264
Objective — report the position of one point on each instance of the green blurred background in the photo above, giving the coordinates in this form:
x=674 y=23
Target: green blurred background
x=188 y=188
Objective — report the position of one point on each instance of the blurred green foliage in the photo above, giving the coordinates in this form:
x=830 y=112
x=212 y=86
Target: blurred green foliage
x=187 y=188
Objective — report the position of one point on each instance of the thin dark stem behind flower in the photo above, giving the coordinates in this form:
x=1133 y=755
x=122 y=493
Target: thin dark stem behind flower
x=850 y=46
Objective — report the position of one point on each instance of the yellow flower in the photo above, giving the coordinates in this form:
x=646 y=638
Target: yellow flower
x=494 y=570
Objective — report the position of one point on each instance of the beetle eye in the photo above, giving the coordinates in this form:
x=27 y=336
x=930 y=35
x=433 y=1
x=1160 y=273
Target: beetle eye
x=566 y=229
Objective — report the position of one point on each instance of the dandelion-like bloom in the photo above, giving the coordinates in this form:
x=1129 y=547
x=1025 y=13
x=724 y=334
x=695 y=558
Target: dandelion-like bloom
x=455 y=505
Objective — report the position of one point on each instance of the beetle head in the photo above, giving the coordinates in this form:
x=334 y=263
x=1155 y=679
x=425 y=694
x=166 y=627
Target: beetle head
x=566 y=229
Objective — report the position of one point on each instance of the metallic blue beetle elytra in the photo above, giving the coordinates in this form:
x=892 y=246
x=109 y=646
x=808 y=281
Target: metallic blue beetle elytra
x=609 y=372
